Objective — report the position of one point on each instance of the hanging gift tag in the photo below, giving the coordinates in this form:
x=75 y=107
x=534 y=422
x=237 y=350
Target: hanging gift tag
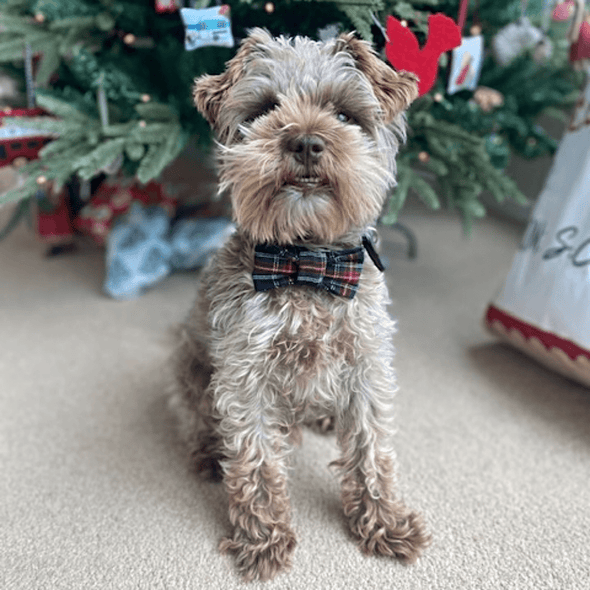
x=466 y=62
x=467 y=59
x=207 y=27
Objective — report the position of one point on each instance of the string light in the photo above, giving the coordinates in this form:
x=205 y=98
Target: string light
x=39 y=17
x=424 y=157
x=269 y=7
x=41 y=180
x=145 y=98
x=129 y=38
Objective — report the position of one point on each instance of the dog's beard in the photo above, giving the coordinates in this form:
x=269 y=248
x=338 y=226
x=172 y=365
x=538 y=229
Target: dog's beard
x=275 y=200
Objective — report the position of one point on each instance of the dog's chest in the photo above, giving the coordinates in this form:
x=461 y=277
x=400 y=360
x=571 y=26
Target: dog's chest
x=314 y=333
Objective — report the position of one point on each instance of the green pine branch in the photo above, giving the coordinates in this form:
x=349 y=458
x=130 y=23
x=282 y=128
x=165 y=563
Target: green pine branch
x=84 y=147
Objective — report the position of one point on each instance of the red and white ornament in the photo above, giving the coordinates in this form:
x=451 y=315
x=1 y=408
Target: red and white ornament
x=563 y=11
x=579 y=36
x=163 y=6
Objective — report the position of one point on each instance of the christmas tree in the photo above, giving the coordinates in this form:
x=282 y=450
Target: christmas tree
x=115 y=78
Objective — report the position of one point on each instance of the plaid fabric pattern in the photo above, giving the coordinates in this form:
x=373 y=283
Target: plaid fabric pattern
x=335 y=271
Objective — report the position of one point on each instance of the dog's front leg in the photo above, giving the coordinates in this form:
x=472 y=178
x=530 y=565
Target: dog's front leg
x=255 y=479
x=381 y=522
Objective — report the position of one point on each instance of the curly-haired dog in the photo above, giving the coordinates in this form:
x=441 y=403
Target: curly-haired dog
x=290 y=324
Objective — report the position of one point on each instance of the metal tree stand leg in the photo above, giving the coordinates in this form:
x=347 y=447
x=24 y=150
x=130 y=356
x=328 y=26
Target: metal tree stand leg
x=410 y=237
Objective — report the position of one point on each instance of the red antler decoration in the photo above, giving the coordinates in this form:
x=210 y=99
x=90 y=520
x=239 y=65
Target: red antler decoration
x=403 y=52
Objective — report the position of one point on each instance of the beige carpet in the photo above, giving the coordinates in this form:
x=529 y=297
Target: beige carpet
x=95 y=491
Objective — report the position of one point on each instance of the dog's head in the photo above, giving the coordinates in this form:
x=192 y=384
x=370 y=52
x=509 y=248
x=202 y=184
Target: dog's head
x=308 y=133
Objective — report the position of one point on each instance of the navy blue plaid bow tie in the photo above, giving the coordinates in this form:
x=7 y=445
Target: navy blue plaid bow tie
x=336 y=271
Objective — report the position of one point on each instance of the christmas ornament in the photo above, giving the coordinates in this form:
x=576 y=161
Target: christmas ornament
x=163 y=6
x=403 y=52
x=466 y=63
x=563 y=11
x=514 y=39
x=579 y=36
x=488 y=99
x=207 y=27
x=467 y=59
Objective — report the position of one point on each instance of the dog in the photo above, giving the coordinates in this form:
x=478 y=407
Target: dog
x=290 y=324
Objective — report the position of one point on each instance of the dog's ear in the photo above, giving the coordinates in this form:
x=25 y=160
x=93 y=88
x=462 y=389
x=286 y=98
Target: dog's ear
x=394 y=90
x=209 y=91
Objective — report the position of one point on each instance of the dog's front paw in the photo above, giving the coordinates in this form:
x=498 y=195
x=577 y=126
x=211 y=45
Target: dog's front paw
x=262 y=559
x=402 y=536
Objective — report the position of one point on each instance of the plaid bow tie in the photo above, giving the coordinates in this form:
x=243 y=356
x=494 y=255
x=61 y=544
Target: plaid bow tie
x=335 y=271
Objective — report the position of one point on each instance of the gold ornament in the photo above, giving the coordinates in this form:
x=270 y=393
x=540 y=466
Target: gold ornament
x=19 y=162
x=488 y=98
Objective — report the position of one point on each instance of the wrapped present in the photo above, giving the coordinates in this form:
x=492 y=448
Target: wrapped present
x=53 y=216
x=138 y=252
x=112 y=200
x=193 y=240
x=143 y=247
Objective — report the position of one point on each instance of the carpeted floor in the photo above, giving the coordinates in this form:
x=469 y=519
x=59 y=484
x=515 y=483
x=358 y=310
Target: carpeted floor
x=96 y=492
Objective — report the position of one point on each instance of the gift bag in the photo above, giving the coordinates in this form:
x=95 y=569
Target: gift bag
x=543 y=307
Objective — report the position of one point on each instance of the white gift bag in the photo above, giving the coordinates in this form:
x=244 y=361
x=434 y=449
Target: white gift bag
x=544 y=306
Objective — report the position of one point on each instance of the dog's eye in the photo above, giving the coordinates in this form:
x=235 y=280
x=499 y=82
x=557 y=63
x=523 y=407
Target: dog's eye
x=261 y=110
x=344 y=118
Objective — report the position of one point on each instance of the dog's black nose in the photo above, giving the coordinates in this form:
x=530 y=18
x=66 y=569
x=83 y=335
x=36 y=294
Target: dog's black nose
x=306 y=149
